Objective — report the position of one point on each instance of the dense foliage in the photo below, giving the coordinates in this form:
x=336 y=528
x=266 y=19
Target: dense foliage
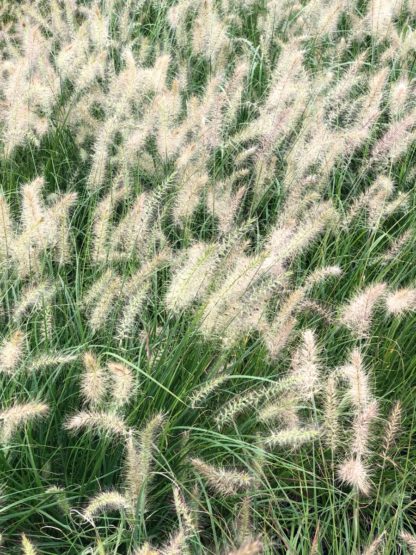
x=207 y=225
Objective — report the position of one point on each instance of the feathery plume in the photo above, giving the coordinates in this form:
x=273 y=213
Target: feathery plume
x=100 y=156
x=283 y=410
x=34 y=236
x=183 y=512
x=59 y=213
x=370 y=110
x=188 y=195
x=98 y=288
x=136 y=291
x=354 y=473
x=395 y=141
x=401 y=301
x=243 y=524
x=102 y=221
x=292 y=437
x=331 y=410
x=410 y=541
x=123 y=385
x=53 y=359
x=392 y=428
x=106 y=501
x=276 y=337
x=131 y=310
x=399 y=93
x=139 y=458
x=209 y=37
x=176 y=545
x=192 y=280
x=361 y=428
x=93 y=381
x=6 y=229
x=252 y=547
x=268 y=129
x=376 y=546
x=28 y=91
x=379 y=17
x=305 y=367
x=11 y=352
x=102 y=308
x=357 y=314
x=200 y=395
x=338 y=97
x=132 y=234
x=373 y=200
x=225 y=310
x=277 y=334
x=251 y=400
x=221 y=480
x=34 y=296
x=98 y=422
x=353 y=470
x=224 y=204
x=101 y=297
x=359 y=387
x=17 y=416
x=27 y=546
x=396 y=246
x=146 y=549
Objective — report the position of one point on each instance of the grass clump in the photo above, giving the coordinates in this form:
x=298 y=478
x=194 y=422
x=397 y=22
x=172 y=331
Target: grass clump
x=208 y=286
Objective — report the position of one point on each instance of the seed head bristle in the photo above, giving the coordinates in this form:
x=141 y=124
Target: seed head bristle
x=106 y=423
x=11 y=352
x=27 y=546
x=106 y=501
x=221 y=480
x=18 y=415
x=93 y=381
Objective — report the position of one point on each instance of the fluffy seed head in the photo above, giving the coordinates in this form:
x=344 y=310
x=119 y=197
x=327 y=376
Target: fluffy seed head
x=33 y=297
x=183 y=512
x=202 y=393
x=376 y=546
x=305 y=367
x=357 y=378
x=361 y=428
x=146 y=549
x=292 y=437
x=331 y=413
x=252 y=547
x=410 y=541
x=223 y=481
x=106 y=501
x=283 y=410
x=93 y=381
x=53 y=359
x=27 y=546
x=354 y=473
x=176 y=545
x=139 y=458
x=122 y=383
x=18 y=415
x=357 y=314
x=392 y=428
x=98 y=422
x=11 y=352
x=401 y=301
x=251 y=400
x=398 y=96
x=191 y=281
